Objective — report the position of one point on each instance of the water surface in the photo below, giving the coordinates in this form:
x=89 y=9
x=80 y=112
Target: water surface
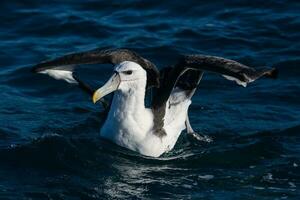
x=49 y=130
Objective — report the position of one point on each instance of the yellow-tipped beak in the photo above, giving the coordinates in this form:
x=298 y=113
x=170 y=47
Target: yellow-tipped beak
x=96 y=97
x=111 y=85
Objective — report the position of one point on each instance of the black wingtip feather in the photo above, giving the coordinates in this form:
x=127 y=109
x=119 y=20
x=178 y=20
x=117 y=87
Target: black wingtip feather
x=35 y=69
x=273 y=73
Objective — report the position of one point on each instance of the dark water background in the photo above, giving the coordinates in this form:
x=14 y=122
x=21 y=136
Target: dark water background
x=49 y=143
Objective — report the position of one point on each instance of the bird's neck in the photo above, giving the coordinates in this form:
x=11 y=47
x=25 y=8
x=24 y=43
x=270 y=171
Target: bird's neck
x=129 y=122
x=129 y=101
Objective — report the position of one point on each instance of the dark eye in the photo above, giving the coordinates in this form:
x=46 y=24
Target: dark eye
x=128 y=72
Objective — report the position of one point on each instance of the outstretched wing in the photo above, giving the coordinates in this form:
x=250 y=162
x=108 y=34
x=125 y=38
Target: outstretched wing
x=63 y=67
x=187 y=73
x=230 y=69
x=189 y=69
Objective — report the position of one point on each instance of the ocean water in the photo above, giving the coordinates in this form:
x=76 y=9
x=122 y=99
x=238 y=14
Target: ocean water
x=49 y=130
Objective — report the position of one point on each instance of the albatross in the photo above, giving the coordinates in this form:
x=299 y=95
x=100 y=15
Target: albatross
x=154 y=129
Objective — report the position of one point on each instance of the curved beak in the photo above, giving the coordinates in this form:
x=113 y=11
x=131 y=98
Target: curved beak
x=111 y=85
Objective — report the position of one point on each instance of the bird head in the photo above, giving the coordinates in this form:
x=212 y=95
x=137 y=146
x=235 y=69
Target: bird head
x=127 y=76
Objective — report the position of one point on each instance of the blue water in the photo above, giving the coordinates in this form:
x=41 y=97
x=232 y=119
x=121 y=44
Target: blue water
x=49 y=130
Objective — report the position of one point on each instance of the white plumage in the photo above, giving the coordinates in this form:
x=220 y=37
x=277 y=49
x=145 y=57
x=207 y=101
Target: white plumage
x=60 y=75
x=130 y=123
x=149 y=131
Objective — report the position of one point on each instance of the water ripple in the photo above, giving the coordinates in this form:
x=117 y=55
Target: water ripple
x=49 y=131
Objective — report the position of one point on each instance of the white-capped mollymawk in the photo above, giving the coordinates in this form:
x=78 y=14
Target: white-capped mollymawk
x=155 y=129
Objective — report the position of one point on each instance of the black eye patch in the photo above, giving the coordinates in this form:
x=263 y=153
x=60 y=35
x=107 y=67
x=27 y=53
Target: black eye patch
x=127 y=72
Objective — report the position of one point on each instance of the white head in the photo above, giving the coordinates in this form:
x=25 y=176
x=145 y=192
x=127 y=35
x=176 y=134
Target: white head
x=127 y=76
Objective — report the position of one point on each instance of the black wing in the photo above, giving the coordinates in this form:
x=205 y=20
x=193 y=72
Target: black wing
x=189 y=69
x=225 y=67
x=100 y=56
x=187 y=73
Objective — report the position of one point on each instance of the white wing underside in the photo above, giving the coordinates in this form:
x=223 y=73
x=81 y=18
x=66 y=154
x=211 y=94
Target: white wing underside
x=175 y=117
x=244 y=84
x=60 y=75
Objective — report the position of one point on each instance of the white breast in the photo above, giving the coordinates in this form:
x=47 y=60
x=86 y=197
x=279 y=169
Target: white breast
x=131 y=126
